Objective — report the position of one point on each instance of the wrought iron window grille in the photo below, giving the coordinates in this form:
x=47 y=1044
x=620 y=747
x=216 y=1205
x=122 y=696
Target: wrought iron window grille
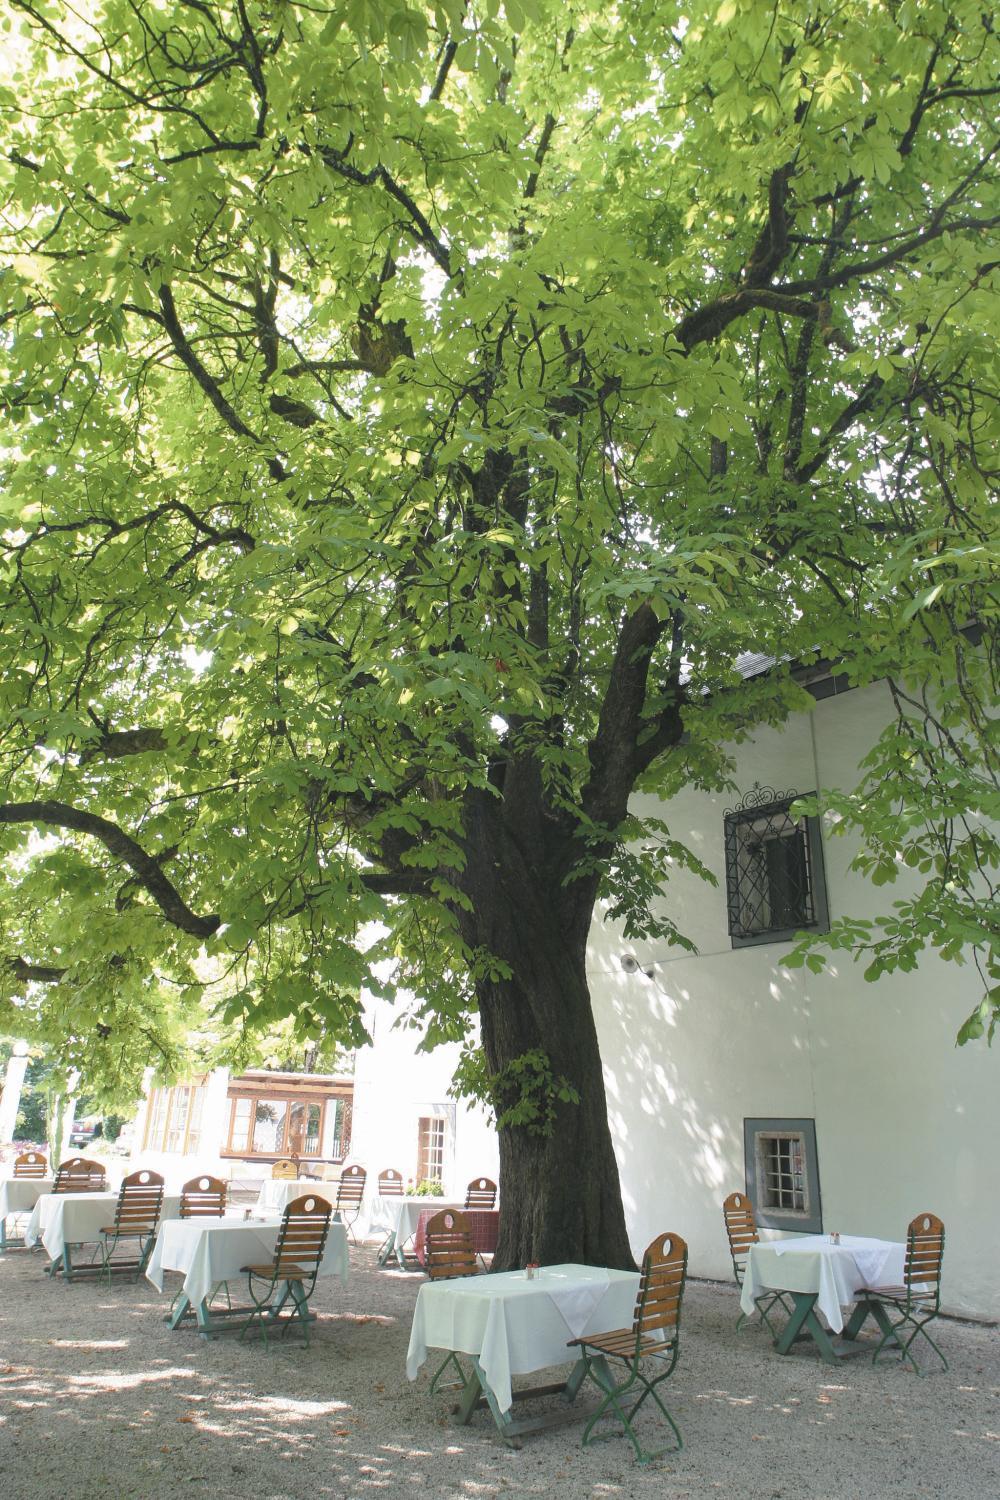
x=775 y=882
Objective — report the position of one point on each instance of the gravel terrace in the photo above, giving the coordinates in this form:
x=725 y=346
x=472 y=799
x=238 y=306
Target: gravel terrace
x=98 y=1398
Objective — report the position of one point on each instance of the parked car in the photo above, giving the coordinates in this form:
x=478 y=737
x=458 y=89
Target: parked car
x=84 y=1132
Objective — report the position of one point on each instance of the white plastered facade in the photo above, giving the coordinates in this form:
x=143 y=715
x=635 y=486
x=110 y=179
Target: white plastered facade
x=905 y=1120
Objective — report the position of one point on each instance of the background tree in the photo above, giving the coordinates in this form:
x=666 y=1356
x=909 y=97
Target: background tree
x=415 y=412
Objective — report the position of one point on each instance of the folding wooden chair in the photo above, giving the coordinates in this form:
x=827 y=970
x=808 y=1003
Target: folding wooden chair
x=292 y=1273
x=30 y=1164
x=449 y=1254
x=137 y=1217
x=481 y=1193
x=741 y=1228
x=284 y=1170
x=390 y=1183
x=655 y=1334
x=203 y=1198
x=78 y=1175
x=350 y=1194
x=917 y=1302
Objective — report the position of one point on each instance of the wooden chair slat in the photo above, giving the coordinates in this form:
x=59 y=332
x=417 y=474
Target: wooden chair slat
x=203 y=1197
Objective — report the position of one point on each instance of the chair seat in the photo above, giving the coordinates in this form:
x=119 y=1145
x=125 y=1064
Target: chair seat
x=621 y=1342
x=287 y=1270
x=895 y=1294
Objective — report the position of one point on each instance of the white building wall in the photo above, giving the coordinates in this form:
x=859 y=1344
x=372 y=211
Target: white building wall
x=394 y=1085
x=905 y=1121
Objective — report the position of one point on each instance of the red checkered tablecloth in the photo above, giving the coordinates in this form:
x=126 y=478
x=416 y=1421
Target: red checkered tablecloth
x=484 y=1224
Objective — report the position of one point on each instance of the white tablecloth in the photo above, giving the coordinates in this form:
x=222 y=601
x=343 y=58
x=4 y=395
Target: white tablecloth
x=513 y=1325
x=277 y=1192
x=814 y=1264
x=399 y=1214
x=61 y=1219
x=18 y=1195
x=208 y=1251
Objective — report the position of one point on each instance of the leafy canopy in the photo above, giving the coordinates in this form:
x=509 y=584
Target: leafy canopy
x=376 y=373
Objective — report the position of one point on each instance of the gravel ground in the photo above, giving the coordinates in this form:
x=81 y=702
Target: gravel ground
x=98 y=1398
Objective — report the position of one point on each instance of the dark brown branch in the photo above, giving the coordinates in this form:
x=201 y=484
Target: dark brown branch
x=172 y=324
x=33 y=973
x=613 y=750
x=145 y=867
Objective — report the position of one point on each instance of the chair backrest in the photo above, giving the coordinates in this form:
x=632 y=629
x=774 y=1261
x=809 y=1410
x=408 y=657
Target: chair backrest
x=302 y=1236
x=741 y=1229
x=284 y=1169
x=924 y=1254
x=449 y=1246
x=203 y=1198
x=661 y=1289
x=78 y=1175
x=140 y=1199
x=390 y=1183
x=481 y=1193
x=351 y=1187
x=30 y=1164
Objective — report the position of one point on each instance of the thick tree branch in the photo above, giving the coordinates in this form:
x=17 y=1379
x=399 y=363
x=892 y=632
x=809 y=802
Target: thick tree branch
x=146 y=868
x=613 y=750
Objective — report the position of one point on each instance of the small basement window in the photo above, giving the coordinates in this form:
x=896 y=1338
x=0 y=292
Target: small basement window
x=782 y=1174
x=775 y=882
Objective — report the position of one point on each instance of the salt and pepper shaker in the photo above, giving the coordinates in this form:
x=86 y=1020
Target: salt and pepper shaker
x=530 y=1269
x=834 y=1237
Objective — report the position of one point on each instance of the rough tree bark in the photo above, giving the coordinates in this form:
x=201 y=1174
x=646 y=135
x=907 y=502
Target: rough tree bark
x=559 y=1186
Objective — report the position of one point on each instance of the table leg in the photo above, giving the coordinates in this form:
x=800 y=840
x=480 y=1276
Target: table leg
x=862 y=1312
x=478 y=1393
x=804 y=1321
x=3 y=1235
x=387 y=1249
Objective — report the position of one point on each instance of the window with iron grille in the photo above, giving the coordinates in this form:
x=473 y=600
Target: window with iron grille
x=783 y=1173
x=775 y=883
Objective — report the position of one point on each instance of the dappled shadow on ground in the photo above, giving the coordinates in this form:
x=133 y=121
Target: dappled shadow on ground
x=98 y=1398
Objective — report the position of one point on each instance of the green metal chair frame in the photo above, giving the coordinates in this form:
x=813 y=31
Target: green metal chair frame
x=449 y=1255
x=298 y=1256
x=137 y=1217
x=741 y=1227
x=918 y=1300
x=655 y=1334
x=350 y=1195
x=79 y=1175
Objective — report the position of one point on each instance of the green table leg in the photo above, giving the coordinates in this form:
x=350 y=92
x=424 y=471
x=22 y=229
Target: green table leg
x=387 y=1249
x=865 y=1310
x=3 y=1235
x=804 y=1321
x=477 y=1393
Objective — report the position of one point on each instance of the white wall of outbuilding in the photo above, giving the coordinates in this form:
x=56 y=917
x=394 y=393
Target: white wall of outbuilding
x=905 y=1120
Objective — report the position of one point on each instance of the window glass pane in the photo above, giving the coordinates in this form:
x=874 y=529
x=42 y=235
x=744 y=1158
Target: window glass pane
x=430 y=1149
x=269 y=1126
x=197 y=1107
x=241 y=1125
x=314 y=1116
x=178 y=1119
x=157 y=1116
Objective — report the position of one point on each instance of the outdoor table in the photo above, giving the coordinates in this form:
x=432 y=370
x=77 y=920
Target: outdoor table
x=509 y=1325
x=399 y=1215
x=210 y=1251
x=821 y=1276
x=18 y=1195
x=61 y=1220
x=277 y=1192
x=484 y=1227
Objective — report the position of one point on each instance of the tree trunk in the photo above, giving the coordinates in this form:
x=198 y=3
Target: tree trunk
x=559 y=1188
